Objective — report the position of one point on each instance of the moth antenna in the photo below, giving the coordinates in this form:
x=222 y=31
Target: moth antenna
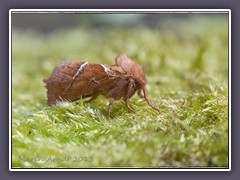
x=148 y=101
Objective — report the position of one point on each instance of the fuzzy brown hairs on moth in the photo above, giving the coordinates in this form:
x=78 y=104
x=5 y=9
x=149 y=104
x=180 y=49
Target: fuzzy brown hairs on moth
x=73 y=80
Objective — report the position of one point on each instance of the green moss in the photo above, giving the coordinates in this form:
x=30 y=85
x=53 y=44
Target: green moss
x=187 y=72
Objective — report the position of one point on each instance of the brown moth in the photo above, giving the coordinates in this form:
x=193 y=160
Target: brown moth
x=72 y=80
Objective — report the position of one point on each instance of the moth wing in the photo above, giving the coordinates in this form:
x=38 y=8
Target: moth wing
x=105 y=80
x=59 y=79
x=68 y=83
x=100 y=79
x=88 y=82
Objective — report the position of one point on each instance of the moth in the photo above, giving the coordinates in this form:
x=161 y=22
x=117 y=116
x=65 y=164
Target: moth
x=72 y=80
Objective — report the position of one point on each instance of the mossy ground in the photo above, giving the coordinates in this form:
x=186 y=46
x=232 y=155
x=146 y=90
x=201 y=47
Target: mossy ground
x=186 y=63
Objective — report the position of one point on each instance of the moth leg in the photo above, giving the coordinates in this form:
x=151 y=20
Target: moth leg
x=140 y=93
x=146 y=98
x=126 y=101
x=110 y=106
x=130 y=92
x=91 y=99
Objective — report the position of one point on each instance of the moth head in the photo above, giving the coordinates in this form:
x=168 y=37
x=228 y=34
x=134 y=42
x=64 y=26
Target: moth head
x=132 y=68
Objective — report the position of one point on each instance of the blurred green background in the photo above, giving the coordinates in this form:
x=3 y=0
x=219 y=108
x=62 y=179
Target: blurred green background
x=185 y=57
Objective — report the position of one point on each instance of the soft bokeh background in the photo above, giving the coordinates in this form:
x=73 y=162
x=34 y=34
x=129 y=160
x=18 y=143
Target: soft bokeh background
x=185 y=57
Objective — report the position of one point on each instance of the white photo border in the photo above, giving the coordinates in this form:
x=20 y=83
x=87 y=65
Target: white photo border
x=121 y=11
